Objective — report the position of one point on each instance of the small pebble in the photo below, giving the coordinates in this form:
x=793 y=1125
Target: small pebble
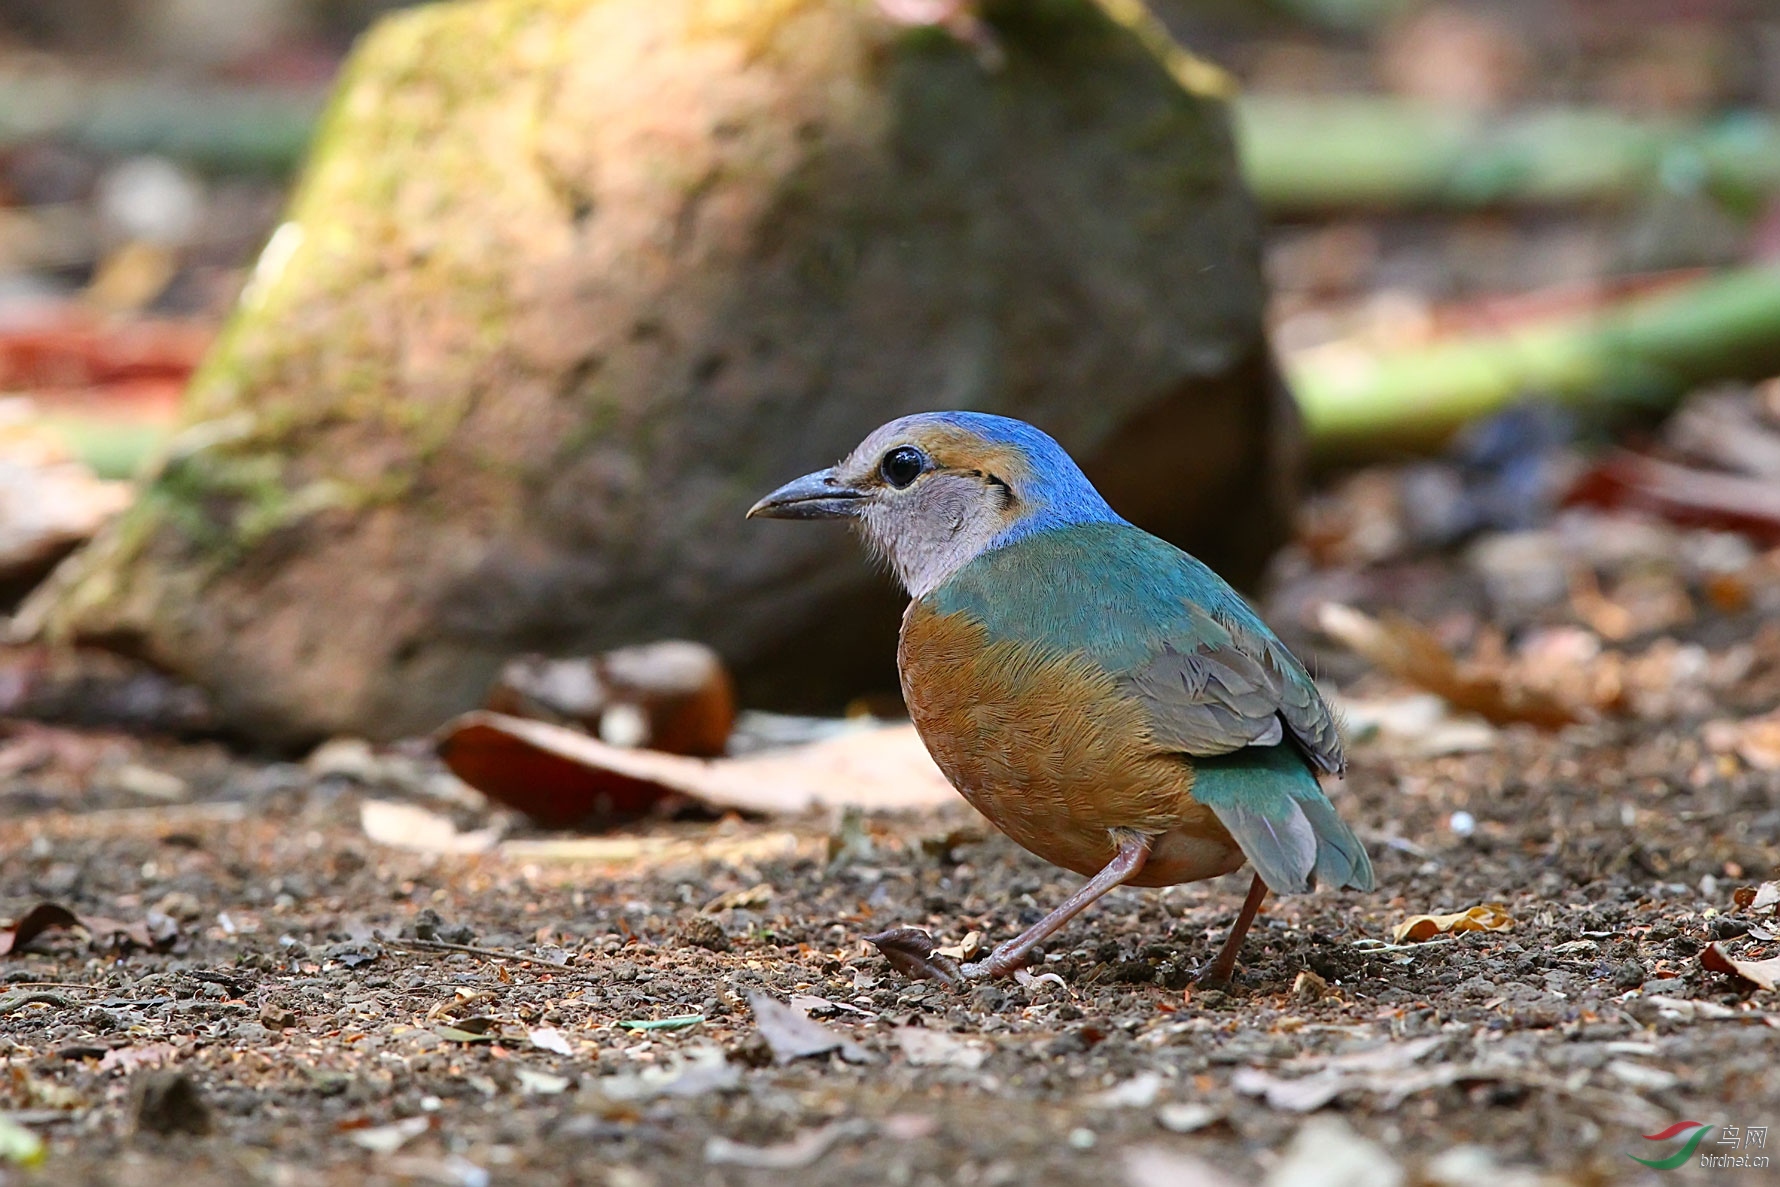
x=1082 y=1138
x=1462 y=823
x=1186 y=1117
x=277 y=1017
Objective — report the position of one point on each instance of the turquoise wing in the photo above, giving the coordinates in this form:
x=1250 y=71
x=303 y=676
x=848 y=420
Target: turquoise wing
x=1214 y=678
x=1220 y=681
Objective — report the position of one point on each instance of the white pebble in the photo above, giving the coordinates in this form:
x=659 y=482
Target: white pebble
x=625 y=726
x=151 y=199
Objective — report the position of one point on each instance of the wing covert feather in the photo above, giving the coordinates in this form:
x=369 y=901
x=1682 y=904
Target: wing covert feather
x=1234 y=687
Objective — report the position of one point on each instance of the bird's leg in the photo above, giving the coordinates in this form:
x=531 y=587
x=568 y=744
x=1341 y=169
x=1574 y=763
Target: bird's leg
x=1219 y=970
x=1134 y=850
x=910 y=950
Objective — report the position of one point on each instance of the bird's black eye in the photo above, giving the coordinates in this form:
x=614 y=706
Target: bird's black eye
x=902 y=466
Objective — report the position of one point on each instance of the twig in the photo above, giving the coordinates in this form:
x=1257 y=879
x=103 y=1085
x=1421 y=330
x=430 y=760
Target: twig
x=470 y=950
x=56 y=985
x=1368 y=944
x=13 y=1001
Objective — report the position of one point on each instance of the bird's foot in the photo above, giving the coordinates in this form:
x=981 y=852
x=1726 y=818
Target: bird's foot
x=1006 y=959
x=1213 y=975
x=911 y=952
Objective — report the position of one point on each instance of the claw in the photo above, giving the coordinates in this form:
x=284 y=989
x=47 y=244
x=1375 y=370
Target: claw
x=1210 y=976
x=996 y=964
x=910 y=952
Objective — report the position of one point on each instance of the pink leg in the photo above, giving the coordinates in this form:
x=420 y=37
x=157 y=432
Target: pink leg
x=910 y=950
x=1133 y=852
x=1219 y=970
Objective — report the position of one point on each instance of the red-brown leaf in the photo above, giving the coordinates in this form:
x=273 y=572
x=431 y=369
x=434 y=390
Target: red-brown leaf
x=33 y=923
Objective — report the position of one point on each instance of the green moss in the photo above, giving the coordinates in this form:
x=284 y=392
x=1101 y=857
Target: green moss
x=392 y=107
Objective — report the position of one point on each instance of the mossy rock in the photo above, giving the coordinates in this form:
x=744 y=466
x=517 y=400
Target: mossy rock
x=569 y=283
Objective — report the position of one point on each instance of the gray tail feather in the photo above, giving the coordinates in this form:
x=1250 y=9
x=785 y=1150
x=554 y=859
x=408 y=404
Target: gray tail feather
x=1308 y=846
x=1340 y=858
x=1283 y=849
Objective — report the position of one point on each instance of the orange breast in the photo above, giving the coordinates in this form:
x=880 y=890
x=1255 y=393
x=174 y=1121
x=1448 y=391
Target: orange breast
x=1046 y=745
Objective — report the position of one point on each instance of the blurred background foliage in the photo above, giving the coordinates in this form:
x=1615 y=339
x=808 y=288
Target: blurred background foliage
x=1428 y=166
x=1470 y=204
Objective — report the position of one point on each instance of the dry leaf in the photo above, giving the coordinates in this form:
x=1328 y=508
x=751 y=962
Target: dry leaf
x=1384 y=1069
x=813 y=1006
x=1420 y=724
x=155 y=932
x=936 y=1048
x=33 y=923
x=559 y=776
x=405 y=826
x=1410 y=651
x=533 y=1082
x=1327 y=1151
x=1763 y=974
x=1139 y=1092
x=735 y=900
x=548 y=1038
x=1755 y=740
x=965 y=949
x=703 y=1069
x=129 y=1059
x=708 y=846
x=801 y=1151
x=793 y=1035
x=49 y=502
x=387 y=1139
x=1486 y=917
x=1154 y=1166
x=1682 y=495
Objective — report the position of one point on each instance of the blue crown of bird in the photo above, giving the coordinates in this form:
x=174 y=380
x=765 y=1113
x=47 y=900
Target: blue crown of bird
x=1105 y=699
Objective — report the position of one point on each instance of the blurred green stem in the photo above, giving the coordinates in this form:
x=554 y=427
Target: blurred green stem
x=1310 y=153
x=1300 y=152
x=1644 y=353
x=228 y=129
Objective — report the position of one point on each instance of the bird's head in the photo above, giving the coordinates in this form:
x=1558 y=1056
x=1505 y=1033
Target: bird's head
x=933 y=491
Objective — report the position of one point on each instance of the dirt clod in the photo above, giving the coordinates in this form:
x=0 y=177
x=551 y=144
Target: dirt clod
x=169 y=1102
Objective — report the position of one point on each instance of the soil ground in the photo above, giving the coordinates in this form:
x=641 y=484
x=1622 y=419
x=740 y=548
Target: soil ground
x=309 y=1027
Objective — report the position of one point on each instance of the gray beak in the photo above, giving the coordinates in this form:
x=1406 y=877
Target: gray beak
x=814 y=496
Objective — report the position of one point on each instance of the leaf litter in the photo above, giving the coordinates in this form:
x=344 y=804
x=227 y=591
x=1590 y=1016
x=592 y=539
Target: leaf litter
x=1486 y=917
x=316 y=1009
x=792 y=1034
x=1763 y=974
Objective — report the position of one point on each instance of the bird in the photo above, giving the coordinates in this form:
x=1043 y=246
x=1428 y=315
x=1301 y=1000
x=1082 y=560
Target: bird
x=1104 y=698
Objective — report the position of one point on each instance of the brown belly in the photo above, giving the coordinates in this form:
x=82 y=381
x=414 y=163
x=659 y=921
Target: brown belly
x=1050 y=749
